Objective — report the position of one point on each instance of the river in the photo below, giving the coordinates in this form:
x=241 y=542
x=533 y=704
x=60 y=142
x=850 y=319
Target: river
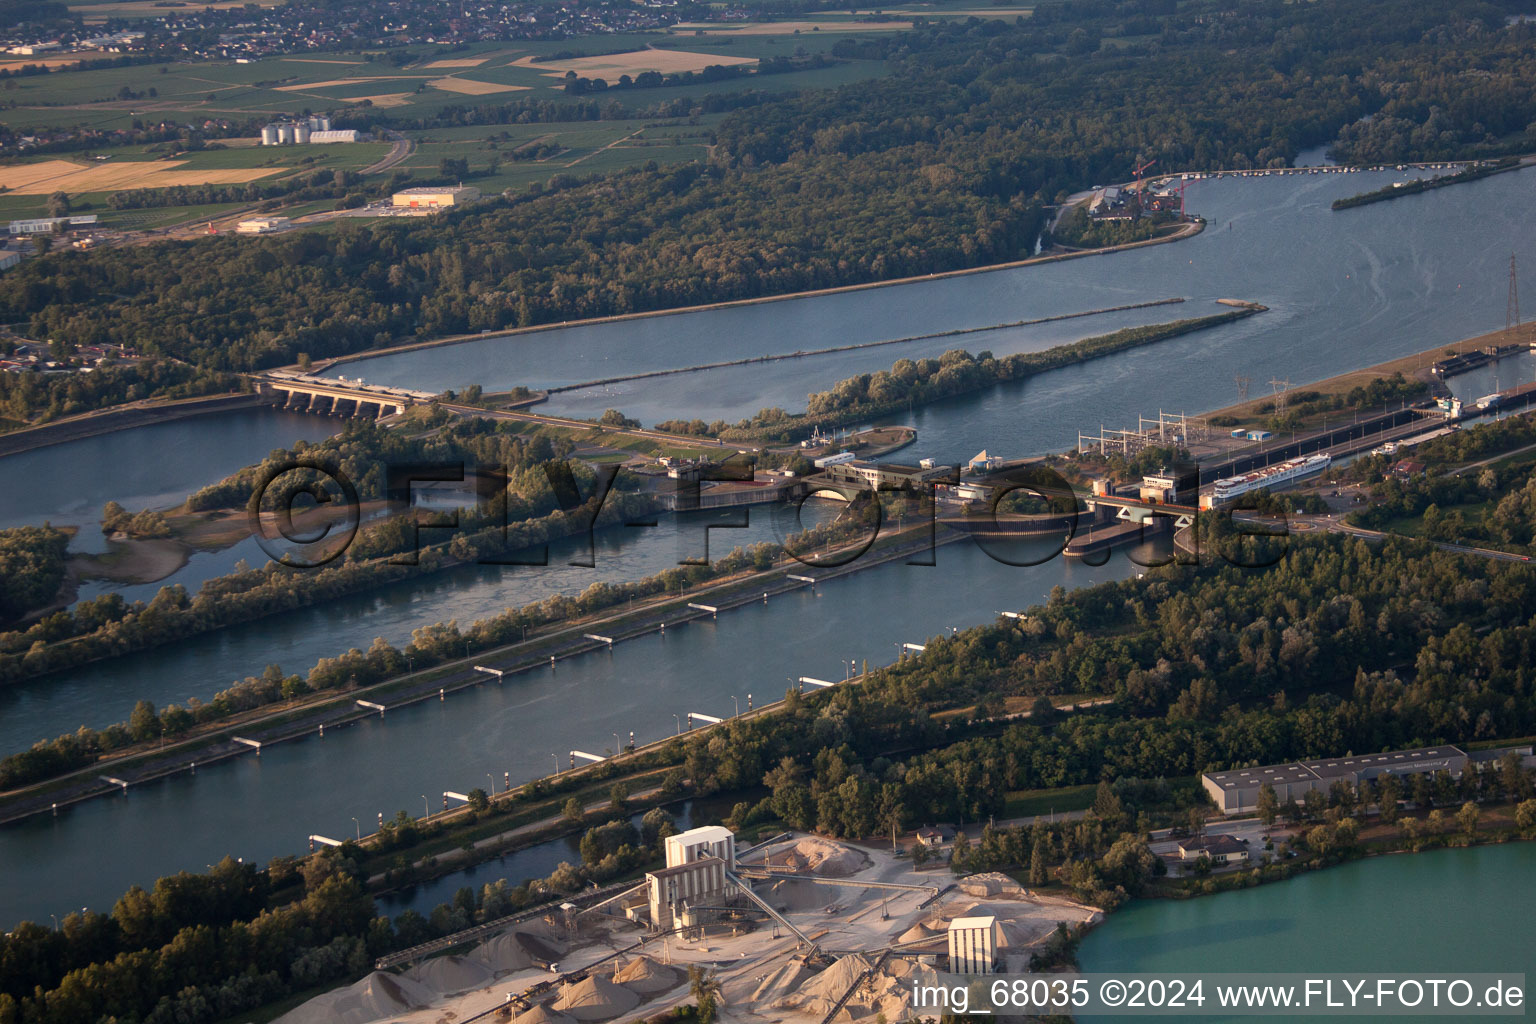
x=1345 y=289
x=1465 y=910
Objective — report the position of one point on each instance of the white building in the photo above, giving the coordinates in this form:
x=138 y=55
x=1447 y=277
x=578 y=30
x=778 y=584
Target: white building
x=325 y=135
x=46 y=225
x=263 y=225
x=699 y=843
x=9 y=258
x=972 y=945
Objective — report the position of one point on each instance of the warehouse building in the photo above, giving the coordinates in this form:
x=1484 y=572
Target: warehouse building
x=1238 y=790
x=433 y=197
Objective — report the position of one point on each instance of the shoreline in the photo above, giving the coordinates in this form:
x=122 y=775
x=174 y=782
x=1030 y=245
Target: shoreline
x=1189 y=230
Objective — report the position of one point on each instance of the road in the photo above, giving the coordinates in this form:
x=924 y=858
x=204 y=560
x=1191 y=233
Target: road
x=402 y=148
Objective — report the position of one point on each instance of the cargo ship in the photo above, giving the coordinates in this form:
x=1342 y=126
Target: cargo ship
x=1272 y=477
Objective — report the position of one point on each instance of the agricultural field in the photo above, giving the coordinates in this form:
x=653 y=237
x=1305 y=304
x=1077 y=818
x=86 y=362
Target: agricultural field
x=30 y=182
x=418 y=81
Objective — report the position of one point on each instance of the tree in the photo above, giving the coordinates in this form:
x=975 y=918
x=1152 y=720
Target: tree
x=1467 y=818
x=618 y=795
x=705 y=989
x=143 y=724
x=1268 y=805
x=1106 y=804
x=960 y=854
x=478 y=799
x=114 y=518
x=1037 y=866
x=574 y=810
x=1388 y=792
x=1525 y=815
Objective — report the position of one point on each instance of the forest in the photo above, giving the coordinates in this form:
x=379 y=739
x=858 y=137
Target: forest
x=32 y=562
x=39 y=397
x=944 y=164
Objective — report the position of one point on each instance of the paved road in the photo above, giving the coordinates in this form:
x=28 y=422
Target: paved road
x=1334 y=523
x=402 y=148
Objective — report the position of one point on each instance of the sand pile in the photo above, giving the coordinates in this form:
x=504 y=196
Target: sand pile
x=889 y=991
x=518 y=950
x=918 y=933
x=646 y=976
x=822 y=992
x=767 y=989
x=831 y=859
x=450 y=975
x=541 y=1015
x=595 y=998
x=993 y=883
x=375 y=997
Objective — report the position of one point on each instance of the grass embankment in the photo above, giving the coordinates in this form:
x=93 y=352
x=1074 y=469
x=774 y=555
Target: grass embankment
x=957 y=374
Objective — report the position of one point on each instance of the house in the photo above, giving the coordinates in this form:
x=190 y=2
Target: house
x=934 y=836
x=1220 y=848
x=1406 y=468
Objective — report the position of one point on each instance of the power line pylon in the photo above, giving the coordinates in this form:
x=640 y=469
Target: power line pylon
x=1242 y=381
x=1279 y=386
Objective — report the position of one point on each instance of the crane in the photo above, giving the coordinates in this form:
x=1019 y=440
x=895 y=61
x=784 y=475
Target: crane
x=1143 y=167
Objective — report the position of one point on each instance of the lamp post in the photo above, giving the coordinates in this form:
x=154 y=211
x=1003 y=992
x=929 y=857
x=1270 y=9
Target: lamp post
x=678 y=719
x=358 y=829
x=425 y=803
x=737 y=703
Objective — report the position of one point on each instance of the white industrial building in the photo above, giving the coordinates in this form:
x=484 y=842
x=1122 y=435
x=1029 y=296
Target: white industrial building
x=972 y=945
x=698 y=843
x=263 y=225
x=305 y=132
x=46 y=225
x=697 y=875
x=675 y=891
